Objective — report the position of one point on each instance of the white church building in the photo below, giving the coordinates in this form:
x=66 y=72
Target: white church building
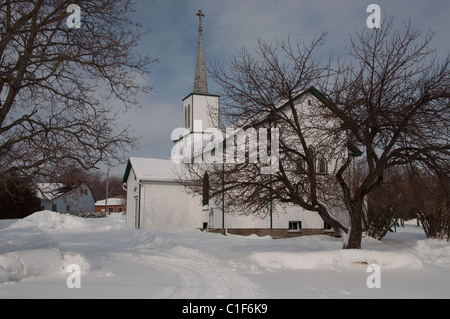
x=156 y=199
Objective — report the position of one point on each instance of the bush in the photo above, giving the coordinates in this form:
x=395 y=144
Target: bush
x=17 y=198
x=91 y=215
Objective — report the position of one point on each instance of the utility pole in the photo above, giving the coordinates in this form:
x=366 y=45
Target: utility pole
x=107 y=189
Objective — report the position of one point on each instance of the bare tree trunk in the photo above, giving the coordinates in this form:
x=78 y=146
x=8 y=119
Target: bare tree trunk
x=355 y=230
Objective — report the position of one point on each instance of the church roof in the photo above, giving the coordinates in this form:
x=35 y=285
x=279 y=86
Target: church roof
x=200 y=79
x=151 y=169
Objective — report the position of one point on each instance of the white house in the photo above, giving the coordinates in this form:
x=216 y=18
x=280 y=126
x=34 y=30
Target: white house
x=66 y=199
x=155 y=199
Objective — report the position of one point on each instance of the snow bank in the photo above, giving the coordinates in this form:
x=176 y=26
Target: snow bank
x=335 y=258
x=15 y=266
x=49 y=221
x=434 y=252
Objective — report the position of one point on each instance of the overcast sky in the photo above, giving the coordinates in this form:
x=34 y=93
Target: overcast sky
x=229 y=25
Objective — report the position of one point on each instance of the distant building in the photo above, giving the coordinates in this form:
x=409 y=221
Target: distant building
x=66 y=199
x=115 y=205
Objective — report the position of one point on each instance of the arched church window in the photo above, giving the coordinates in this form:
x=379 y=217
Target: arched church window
x=189 y=116
x=323 y=166
x=300 y=165
x=312 y=154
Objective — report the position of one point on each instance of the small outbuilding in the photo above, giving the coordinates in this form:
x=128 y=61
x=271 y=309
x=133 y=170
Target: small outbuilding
x=156 y=199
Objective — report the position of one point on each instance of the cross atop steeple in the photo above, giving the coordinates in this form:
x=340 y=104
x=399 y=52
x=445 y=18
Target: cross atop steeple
x=200 y=80
x=200 y=15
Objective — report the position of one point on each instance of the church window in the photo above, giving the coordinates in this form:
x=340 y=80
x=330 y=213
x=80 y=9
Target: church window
x=323 y=169
x=311 y=151
x=312 y=155
x=188 y=116
x=300 y=165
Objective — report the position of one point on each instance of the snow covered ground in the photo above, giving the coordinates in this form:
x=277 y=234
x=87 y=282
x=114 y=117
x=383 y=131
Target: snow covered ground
x=119 y=262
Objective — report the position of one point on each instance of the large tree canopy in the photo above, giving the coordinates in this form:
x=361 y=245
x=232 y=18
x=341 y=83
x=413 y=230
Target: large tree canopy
x=390 y=99
x=62 y=88
x=393 y=100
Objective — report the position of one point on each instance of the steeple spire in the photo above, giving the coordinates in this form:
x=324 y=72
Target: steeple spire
x=200 y=81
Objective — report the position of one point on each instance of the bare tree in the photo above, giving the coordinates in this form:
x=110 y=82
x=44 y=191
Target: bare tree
x=428 y=200
x=63 y=88
x=394 y=102
x=18 y=198
x=391 y=101
x=386 y=205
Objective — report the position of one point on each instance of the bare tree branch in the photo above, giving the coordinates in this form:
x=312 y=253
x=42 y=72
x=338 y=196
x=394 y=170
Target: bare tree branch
x=62 y=90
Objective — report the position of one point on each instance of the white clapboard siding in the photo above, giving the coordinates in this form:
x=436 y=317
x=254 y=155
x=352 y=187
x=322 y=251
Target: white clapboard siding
x=280 y=219
x=132 y=197
x=155 y=199
x=153 y=202
x=166 y=204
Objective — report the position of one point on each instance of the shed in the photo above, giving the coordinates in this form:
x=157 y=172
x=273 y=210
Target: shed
x=156 y=199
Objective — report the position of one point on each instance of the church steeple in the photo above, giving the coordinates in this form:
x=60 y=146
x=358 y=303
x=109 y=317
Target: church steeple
x=200 y=81
x=200 y=109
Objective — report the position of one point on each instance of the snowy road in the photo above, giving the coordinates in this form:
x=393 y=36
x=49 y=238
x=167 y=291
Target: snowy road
x=121 y=262
x=189 y=273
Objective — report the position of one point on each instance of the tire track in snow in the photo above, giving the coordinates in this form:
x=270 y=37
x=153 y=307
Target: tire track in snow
x=199 y=275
